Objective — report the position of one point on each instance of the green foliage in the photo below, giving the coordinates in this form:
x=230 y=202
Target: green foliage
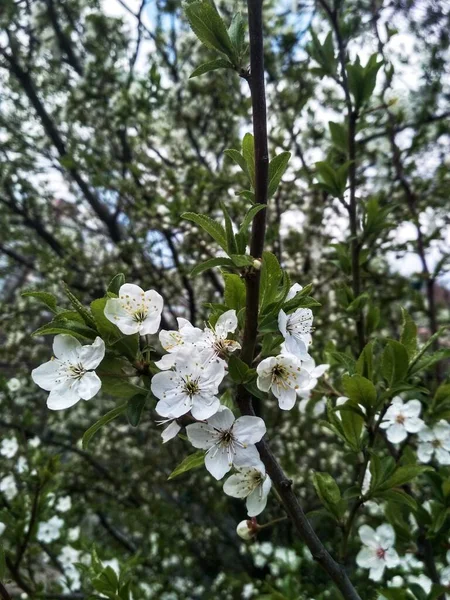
x=329 y=494
x=362 y=80
x=107 y=418
x=192 y=461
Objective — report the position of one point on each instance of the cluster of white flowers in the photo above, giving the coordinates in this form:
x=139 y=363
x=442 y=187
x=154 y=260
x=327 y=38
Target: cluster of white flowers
x=293 y=373
x=402 y=419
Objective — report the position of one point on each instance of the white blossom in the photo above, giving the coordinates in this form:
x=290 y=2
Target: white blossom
x=296 y=330
x=9 y=447
x=64 y=504
x=8 y=487
x=2 y=527
x=285 y=376
x=245 y=530
x=73 y=534
x=34 y=442
x=401 y=419
x=68 y=556
x=49 y=531
x=70 y=376
x=191 y=386
x=214 y=338
x=435 y=441
x=251 y=483
x=14 y=384
x=21 y=465
x=135 y=311
x=228 y=441
x=378 y=552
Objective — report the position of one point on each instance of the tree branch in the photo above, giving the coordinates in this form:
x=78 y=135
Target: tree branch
x=281 y=483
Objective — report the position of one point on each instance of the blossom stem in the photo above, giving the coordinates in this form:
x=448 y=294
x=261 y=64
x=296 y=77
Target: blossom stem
x=244 y=400
x=274 y=522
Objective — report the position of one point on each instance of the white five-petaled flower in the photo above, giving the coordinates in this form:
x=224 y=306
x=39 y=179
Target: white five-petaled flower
x=296 y=329
x=435 y=441
x=251 y=483
x=8 y=487
x=401 y=419
x=135 y=311
x=50 y=530
x=212 y=338
x=228 y=441
x=64 y=504
x=9 y=447
x=378 y=552
x=191 y=386
x=70 y=376
x=285 y=376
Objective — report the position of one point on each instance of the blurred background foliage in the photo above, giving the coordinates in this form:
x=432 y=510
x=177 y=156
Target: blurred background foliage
x=104 y=143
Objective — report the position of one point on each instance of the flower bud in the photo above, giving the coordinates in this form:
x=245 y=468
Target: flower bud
x=246 y=530
x=257 y=264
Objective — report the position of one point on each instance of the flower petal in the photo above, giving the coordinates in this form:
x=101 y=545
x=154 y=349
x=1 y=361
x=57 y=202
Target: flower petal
x=217 y=462
x=45 y=375
x=201 y=435
x=396 y=433
x=257 y=500
x=226 y=323
x=170 y=431
x=367 y=536
x=66 y=347
x=204 y=407
x=89 y=385
x=63 y=396
x=412 y=408
x=386 y=535
x=286 y=396
x=92 y=355
x=247 y=457
x=223 y=419
x=249 y=430
x=238 y=486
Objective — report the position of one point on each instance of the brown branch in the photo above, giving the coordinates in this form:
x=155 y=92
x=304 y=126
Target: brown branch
x=281 y=483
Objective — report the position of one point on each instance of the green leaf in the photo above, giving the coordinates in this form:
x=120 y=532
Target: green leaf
x=238 y=370
x=49 y=300
x=403 y=475
x=409 y=333
x=116 y=283
x=364 y=364
x=234 y=295
x=193 y=461
x=329 y=494
x=215 y=230
x=220 y=261
x=236 y=31
x=250 y=216
x=212 y=65
x=394 y=362
x=110 y=416
x=242 y=260
x=352 y=427
x=339 y=135
x=135 y=407
x=238 y=159
x=271 y=275
x=74 y=328
x=208 y=26
x=277 y=167
x=326 y=487
x=360 y=390
x=81 y=310
x=398 y=496
x=253 y=389
x=248 y=152
x=114 y=378
x=231 y=241
x=226 y=399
